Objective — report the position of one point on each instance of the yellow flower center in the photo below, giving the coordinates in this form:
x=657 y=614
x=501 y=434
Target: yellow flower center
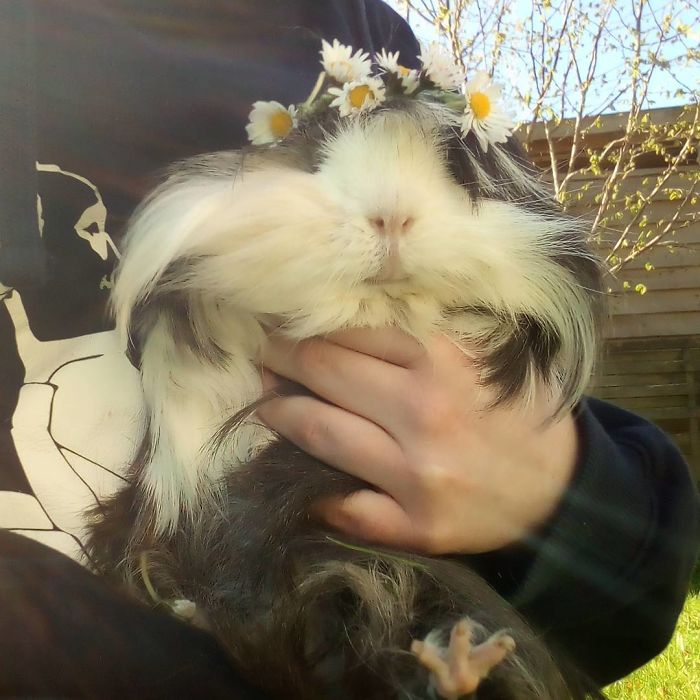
x=280 y=124
x=480 y=104
x=403 y=71
x=358 y=95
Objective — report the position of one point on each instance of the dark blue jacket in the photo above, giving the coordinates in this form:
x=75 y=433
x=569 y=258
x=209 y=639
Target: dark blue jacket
x=117 y=89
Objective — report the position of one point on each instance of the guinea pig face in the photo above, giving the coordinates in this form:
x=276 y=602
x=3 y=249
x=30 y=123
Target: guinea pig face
x=379 y=222
x=394 y=200
x=386 y=219
x=403 y=218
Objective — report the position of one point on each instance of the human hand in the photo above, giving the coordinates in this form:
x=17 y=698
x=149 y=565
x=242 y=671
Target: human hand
x=412 y=421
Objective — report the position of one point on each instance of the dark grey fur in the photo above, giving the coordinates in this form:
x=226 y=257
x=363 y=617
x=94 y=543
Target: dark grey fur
x=529 y=344
x=303 y=614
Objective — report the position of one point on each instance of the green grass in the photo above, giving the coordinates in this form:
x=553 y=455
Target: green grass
x=675 y=674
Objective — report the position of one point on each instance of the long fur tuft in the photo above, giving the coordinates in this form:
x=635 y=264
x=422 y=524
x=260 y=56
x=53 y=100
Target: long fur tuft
x=306 y=615
x=232 y=242
x=218 y=508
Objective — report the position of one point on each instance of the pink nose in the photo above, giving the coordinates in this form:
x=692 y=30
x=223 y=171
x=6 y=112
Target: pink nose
x=392 y=225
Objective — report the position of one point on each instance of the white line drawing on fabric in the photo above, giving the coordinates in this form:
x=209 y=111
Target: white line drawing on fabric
x=95 y=215
x=77 y=421
x=75 y=429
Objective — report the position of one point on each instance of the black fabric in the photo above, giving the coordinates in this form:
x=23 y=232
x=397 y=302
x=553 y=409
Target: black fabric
x=124 y=88
x=606 y=579
x=65 y=634
x=105 y=93
x=22 y=256
x=101 y=95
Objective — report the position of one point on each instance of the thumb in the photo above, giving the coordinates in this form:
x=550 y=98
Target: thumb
x=370 y=516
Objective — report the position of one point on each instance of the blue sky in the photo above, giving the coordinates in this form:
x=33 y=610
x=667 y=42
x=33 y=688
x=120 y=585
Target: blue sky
x=514 y=70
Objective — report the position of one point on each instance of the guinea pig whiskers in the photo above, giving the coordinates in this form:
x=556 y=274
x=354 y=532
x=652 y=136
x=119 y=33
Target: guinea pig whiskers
x=493 y=263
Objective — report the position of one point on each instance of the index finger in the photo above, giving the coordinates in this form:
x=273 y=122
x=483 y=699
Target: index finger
x=389 y=344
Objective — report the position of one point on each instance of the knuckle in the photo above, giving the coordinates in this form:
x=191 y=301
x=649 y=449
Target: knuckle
x=432 y=411
x=310 y=433
x=435 y=480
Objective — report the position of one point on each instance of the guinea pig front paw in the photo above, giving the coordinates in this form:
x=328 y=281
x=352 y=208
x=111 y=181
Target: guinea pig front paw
x=457 y=670
x=189 y=611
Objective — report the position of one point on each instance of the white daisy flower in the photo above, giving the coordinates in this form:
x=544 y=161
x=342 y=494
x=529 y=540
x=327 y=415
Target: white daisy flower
x=358 y=96
x=389 y=63
x=342 y=65
x=440 y=67
x=410 y=79
x=270 y=122
x=482 y=114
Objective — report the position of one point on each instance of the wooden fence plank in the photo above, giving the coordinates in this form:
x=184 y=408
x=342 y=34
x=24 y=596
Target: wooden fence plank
x=665 y=413
x=610 y=125
x=657 y=301
x=643 y=353
x=652 y=390
x=622 y=345
x=692 y=405
x=601 y=381
x=682 y=441
x=625 y=326
x=686 y=232
x=614 y=366
x=658 y=378
x=660 y=279
x=644 y=403
x=663 y=258
x=670 y=254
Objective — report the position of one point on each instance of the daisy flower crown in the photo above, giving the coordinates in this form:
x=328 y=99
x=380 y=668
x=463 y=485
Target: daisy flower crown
x=348 y=84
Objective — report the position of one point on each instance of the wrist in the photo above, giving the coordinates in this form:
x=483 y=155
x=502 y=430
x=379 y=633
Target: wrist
x=558 y=455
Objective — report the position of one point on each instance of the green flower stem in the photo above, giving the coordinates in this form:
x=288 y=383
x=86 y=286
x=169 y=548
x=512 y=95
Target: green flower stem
x=375 y=552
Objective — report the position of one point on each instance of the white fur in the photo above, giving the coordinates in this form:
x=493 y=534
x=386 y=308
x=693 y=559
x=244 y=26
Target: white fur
x=297 y=246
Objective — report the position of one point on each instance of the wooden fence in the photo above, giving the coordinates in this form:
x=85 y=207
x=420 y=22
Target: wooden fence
x=658 y=378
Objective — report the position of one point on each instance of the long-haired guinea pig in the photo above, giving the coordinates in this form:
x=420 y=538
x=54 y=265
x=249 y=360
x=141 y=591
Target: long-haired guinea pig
x=389 y=219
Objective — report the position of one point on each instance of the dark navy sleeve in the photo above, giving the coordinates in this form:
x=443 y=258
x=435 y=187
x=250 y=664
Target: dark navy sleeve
x=104 y=94
x=368 y=24
x=389 y=30
x=606 y=579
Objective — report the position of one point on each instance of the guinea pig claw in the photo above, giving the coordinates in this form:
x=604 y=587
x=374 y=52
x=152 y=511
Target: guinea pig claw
x=457 y=670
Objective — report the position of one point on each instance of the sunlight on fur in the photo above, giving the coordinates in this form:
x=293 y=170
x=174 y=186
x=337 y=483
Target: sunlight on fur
x=232 y=243
x=389 y=219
